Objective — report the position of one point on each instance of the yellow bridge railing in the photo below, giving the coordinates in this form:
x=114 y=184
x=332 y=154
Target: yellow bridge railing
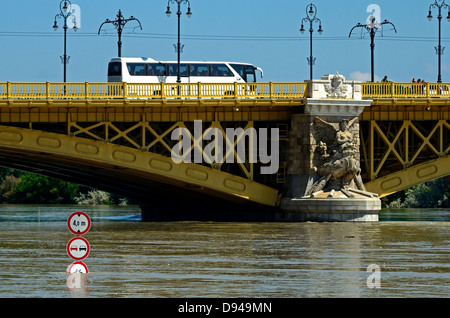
x=405 y=90
x=152 y=91
x=270 y=90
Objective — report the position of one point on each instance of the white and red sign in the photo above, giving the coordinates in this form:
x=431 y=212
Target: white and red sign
x=79 y=223
x=78 y=248
x=77 y=267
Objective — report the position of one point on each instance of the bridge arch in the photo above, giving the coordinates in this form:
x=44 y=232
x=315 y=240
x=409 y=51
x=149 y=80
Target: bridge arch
x=414 y=175
x=144 y=176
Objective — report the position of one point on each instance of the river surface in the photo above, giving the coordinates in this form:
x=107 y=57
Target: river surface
x=408 y=251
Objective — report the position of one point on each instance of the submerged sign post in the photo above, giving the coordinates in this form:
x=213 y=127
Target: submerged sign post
x=79 y=223
x=77 y=267
x=78 y=247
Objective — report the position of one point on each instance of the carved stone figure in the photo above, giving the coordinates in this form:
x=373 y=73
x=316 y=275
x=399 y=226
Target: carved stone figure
x=338 y=168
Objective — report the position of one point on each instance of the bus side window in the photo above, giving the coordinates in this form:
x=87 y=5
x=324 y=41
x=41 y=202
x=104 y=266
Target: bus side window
x=160 y=70
x=151 y=69
x=173 y=68
x=154 y=69
x=220 y=70
x=240 y=70
x=137 y=69
x=199 y=70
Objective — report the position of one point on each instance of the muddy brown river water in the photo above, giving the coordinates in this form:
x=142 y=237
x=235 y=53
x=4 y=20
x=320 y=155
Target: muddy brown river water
x=129 y=258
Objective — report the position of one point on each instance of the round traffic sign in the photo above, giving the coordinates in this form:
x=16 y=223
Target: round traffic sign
x=78 y=248
x=79 y=223
x=77 y=267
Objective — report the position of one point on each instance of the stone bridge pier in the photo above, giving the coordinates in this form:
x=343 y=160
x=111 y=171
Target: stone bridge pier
x=323 y=177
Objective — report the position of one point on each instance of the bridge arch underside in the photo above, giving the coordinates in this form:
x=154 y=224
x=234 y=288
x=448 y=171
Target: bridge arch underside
x=165 y=190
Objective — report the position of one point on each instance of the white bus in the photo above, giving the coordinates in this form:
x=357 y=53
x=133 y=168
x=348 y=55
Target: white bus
x=147 y=70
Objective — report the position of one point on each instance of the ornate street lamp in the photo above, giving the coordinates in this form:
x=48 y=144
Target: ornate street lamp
x=189 y=14
x=372 y=29
x=440 y=4
x=65 y=14
x=311 y=18
x=119 y=23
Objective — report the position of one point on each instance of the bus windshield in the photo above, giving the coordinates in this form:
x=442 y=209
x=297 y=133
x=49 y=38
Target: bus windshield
x=247 y=72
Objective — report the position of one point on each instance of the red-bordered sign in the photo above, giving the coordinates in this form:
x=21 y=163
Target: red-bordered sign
x=79 y=223
x=78 y=248
x=77 y=267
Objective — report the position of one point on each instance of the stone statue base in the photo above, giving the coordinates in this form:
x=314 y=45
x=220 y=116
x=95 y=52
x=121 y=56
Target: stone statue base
x=332 y=206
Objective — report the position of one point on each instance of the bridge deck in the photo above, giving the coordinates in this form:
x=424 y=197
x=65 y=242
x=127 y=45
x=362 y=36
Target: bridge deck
x=386 y=158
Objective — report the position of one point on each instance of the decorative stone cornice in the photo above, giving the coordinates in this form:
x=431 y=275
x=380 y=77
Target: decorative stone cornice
x=335 y=107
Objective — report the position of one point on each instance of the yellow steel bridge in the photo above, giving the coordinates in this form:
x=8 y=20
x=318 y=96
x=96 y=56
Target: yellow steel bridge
x=116 y=136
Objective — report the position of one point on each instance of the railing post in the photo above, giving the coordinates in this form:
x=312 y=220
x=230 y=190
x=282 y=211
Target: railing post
x=392 y=89
x=235 y=90
x=86 y=90
x=162 y=90
x=271 y=90
x=125 y=90
x=199 y=90
x=47 y=90
x=8 y=89
x=428 y=89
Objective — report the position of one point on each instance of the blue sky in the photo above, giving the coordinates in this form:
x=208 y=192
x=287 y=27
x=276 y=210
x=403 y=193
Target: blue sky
x=262 y=32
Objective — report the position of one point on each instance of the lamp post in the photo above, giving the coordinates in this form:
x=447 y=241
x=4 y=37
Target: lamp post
x=119 y=23
x=65 y=14
x=189 y=14
x=440 y=4
x=372 y=29
x=311 y=18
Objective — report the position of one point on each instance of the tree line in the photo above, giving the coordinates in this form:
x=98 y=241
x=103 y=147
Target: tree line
x=19 y=187
x=433 y=194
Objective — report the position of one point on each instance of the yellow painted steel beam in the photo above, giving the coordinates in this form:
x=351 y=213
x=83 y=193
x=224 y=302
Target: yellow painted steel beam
x=136 y=163
x=409 y=177
x=400 y=145
x=410 y=109
x=152 y=110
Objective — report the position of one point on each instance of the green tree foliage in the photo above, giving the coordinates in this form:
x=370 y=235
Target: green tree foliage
x=19 y=187
x=37 y=189
x=433 y=194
